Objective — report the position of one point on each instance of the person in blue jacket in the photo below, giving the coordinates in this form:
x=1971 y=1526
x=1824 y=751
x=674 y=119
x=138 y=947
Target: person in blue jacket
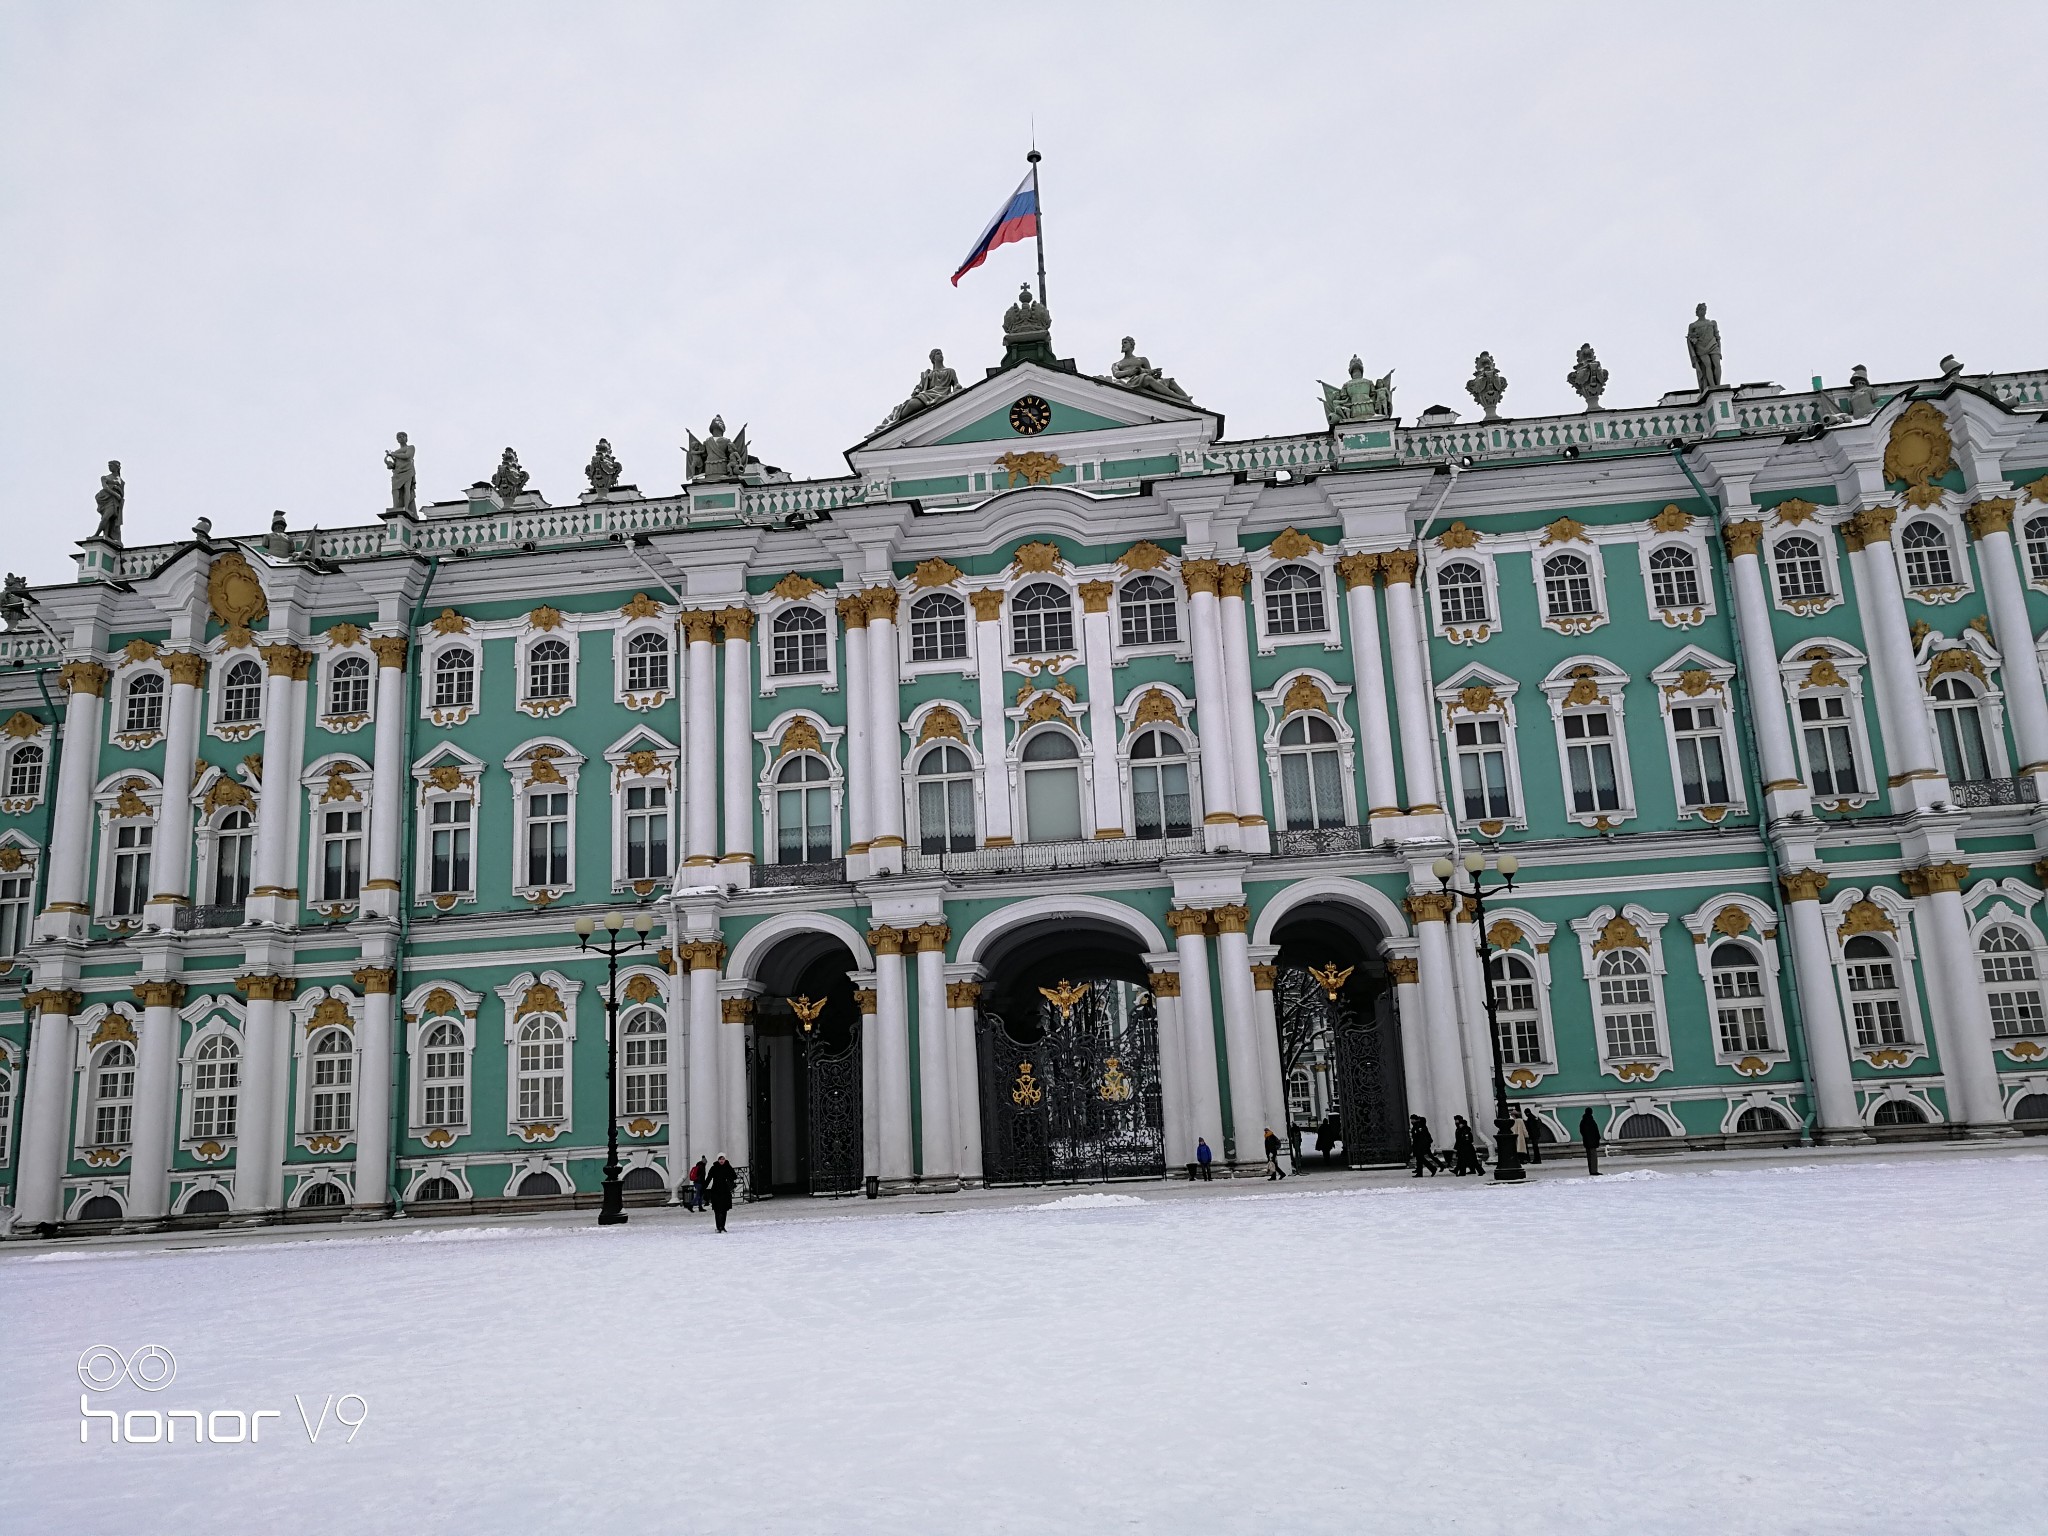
x=1204 y=1157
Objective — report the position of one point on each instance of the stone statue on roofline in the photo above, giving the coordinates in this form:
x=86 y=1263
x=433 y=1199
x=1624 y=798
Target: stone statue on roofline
x=1587 y=378
x=1358 y=398
x=716 y=456
x=1861 y=401
x=14 y=601
x=404 y=492
x=1703 y=346
x=1488 y=385
x=1027 y=319
x=1135 y=372
x=510 y=479
x=933 y=385
x=112 y=502
x=603 y=469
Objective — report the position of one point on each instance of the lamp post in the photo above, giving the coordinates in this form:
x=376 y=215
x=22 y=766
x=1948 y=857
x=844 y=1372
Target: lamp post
x=1507 y=1163
x=615 y=943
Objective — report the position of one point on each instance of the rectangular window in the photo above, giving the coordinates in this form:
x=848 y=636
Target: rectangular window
x=214 y=1082
x=16 y=892
x=2017 y=1012
x=547 y=838
x=333 y=1092
x=341 y=855
x=448 y=846
x=646 y=1064
x=234 y=852
x=1739 y=1011
x=1702 y=770
x=1876 y=1013
x=1589 y=747
x=446 y=1096
x=1830 y=745
x=540 y=1080
x=132 y=840
x=1483 y=769
x=647 y=832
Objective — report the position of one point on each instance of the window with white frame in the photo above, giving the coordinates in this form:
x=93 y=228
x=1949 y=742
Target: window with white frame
x=798 y=636
x=216 y=1088
x=1461 y=592
x=444 y=1076
x=1051 y=764
x=1568 y=586
x=1698 y=733
x=1041 y=620
x=945 y=801
x=547 y=671
x=1162 y=803
x=647 y=663
x=1830 y=738
x=234 y=857
x=1148 y=612
x=1519 y=1019
x=1589 y=749
x=331 y=1094
x=1294 y=601
x=25 y=773
x=1740 y=1020
x=2035 y=534
x=455 y=678
x=1311 y=775
x=348 y=686
x=1481 y=748
x=241 y=693
x=1876 y=1008
x=1802 y=571
x=646 y=829
x=1627 y=1005
x=643 y=1050
x=541 y=1070
x=938 y=628
x=113 y=1095
x=449 y=831
x=17 y=910
x=803 y=810
x=547 y=837
x=143 y=714
x=341 y=854
x=1301 y=1099
x=1923 y=545
x=132 y=842
x=1674 y=577
x=1959 y=725
x=2012 y=982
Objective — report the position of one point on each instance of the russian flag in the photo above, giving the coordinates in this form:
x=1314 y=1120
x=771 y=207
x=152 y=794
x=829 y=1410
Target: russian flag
x=1016 y=220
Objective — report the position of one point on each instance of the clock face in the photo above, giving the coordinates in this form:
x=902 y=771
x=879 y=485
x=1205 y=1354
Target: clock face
x=1030 y=415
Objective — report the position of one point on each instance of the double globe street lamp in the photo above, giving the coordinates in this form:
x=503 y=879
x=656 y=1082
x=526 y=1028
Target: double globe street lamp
x=616 y=942
x=1507 y=1163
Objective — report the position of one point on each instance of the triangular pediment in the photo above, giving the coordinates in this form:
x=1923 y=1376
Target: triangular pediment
x=1076 y=404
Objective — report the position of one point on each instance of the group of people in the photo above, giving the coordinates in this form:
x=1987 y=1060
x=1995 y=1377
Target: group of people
x=712 y=1186
x=1468 y=1153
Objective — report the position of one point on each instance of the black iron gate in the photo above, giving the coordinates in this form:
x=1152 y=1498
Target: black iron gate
x=1071 y=1091
x=1359 y=1047
x=835 y=1116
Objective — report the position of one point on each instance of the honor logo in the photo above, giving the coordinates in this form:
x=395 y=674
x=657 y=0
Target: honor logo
x=152 y=1368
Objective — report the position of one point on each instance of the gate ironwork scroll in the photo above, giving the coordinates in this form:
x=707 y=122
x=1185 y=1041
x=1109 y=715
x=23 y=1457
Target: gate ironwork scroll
x=1071 y=1092
x=835 y=1115
x=1357 y=1047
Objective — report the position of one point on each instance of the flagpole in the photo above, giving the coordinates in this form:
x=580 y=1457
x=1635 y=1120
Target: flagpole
x=1038 y=198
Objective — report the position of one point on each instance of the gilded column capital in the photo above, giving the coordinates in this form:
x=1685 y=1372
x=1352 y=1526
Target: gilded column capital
x=963 y=994
x=864 y=999
x=53 y=1000
x=260 y=987
x=1263 y=977
x=1873 y=525
x=1745 y=536
x=1430 y=906
x=160 y=994
x=2041 y=869
x=1804 y=884
x=1934 y=879
x=1991 y=515
x=1187 y=922
x=929 y=937
x=284 y=660
x=881 y=604
x=1468 y=908
x=1398 y=566
x=187 y=668
x=389 y=650
x=1403 y=970
x=1232 y=919
x=375 y=981
x=1164 y=983
x=83 y=677
x=704 y=954
x=1199 y=576
x=697 y=625
x=738 y=623
x=853 y=613
x=988 y=604
x=886 y=940
x=1095 y=596
x=1358 y=570
x=735 y=1010
x=1231 y=579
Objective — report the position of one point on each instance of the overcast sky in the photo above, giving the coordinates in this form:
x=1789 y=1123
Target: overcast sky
x=241 y=245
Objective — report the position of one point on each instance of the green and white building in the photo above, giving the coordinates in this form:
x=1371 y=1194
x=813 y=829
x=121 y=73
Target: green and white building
x=1060 y=785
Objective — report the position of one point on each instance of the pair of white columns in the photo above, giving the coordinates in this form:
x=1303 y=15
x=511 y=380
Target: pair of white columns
x=720 y=752
x=1250 y=1043
x=1222 y=826
x=388 y=783
x=46 y=1105
x=171 y=860
x=261 y=1110
x=1990 y=522
x=1436 y=1004
x=1368 y=663
x=885 y=1059
x=274 y=897
x=67 y=910
x=998 y=824
x=1783 y=789
x=1916 y=779
x=874 y=736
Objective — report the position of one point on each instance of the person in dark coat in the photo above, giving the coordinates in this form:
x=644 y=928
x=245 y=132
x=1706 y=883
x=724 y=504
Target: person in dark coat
x=1273 y=1170
x=723 y=1179
x=1203 y=1158
x=1419 y=1143
x=1328 y=1134
x=1464 y=1151
x=1535 y=1124
x=1589 y=1133
x=697 y=1185
x=1294 y=1142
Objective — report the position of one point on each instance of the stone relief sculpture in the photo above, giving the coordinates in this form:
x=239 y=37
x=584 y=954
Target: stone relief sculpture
x=933 y=385
x=510 y=479
x=1487 y=385
x=1703 y=346
x=1358 y=398
x=14 y=601
x=1135 y=372
x=399 y=460
x=716 y=456
x=1587 y=378
x=603 y=469
x=111 y=501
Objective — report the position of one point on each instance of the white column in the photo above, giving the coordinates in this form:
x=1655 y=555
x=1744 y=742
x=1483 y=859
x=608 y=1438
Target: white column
x=374 y=1086
x=1175 y=1103
x=1784 y=790
x=1820 y=1007
x=45 y=1107
x=1955 y=993
x=1916 y=777
x=676 y=1000
x=1405 y=972
x=1095 y=646
x=1220 y=826
x=1246 y=776
x=1198 y=1028
x=997 y=829
x=67 y=908
x=388 y=777
x=961 y=998
x=260 y=1112
x=738 y=624
x=892 y=1051
x=2004 y=594
x=885 y=733
x=860 y=821
x=735 y=1050
x=1271 y=1083
x=701 y=804
x=1251 y=1116
x=870 y=1081
x=171 y=865
x=1473 y=1044
x=1375 y=727
x=935 y=1075
x=1412 y=702
x=156 y=1100
x=702 y=958
x=274 y=897
x=1431 y=911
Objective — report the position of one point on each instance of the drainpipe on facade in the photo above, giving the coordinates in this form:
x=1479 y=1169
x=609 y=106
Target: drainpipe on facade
x=406 y=865
x=1745 y=704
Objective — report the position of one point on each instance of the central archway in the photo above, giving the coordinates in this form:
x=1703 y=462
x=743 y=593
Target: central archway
x=804 y=1067
x=1339 y=1036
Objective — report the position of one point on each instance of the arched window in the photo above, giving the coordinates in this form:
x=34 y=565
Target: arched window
x=1052 y=788
x=1756 y=1119
x=1041 y=621
x=333 y=1066
x=1294 y=601
x=1461 y=593
x=241 y=694
x=437 y=1189
x=216 y=1088
x=803 y=811
x=1642 y=1127
x=348 y=686
x=1567 y=585
x=642 y=1178
x=2031 y=1106
x=323 y=1193
x=1899 y=1112
x=643 y=1044
x=1959 y=722
x=113 y=1096
x=1150 y=615
x=100 y=1208
x=25 y=773
x=444 y=1073
x=538 y=1185
x=1311 y=775
x=2036 y=532
x=455 y=678
x=938 y=628
x=647 y=663
x=1674 y=577
x=1589 y=752
x=547 y=670
x=945 y=801
x=1801 y=571
x=234 y=854
x=1160 y=798
x=1514 y=1005
x=799 y=642
x=1874 y=1005
x=2011 y=982
x=1739 y=999
x=1628 y=1010
x=205 y=1202
x=542 y=1070
x=1924 y=543
x=145 y=711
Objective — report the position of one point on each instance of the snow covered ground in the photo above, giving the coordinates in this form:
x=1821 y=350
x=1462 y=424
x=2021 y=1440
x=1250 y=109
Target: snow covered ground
x=1849 y=1346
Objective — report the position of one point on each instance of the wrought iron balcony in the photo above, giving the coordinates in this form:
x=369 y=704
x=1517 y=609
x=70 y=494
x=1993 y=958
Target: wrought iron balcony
x=1024 y=858
x=209 y=917
x=1973 y=794
x=814 y=872
x=1323 y=840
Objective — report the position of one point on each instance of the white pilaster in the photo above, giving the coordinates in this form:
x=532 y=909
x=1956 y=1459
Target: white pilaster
x=1405 y=971
x=45 y=1107
x=870 y=1078
x=1955 y=994
x=1431 y=911
x=737 y=862
x=153 y=1129
x=1271 y=1083
x=885 y=733
x=1221 y=831
x=374 y=1087
x=260 y=1113
x=1411 y=687
x=935 y=1042
x=860 y=769
x=2012 y=632
x=1096 y=647
x=275 y=896
x=961 y=999
x=1176 y=1107
x=735 y=1050
x=171 y=862
x=1198 y=1029
x=995 y=731
x=701 y=706
x=1375 y=727
x=1916 y=778
x=702 y=958
x=1785 y=792
x=1249 y=795
x=1473 y=1044
x=891 y=1026
x=1820 y=1008
x=1250 y=1115
x=388 y=779
x=67 y=910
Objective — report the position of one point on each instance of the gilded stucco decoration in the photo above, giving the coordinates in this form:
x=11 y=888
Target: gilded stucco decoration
x=1732 y=921
x=1291 y=544
x=641 y=607
x=1458 y=536
x=21 y=725
x=801 y=735
x=1795 y=511
x=935 y=572
x=1919 y=452
x=1620 y=933
x=1865 y=916
x=1046 y=706
x=140 y=650
x=1585 y=687
x=941 y=723
x=794 y=587
x=1959 y=658
x=545 y=617
x=329 y=1011
x=1822 y=673
x=128 y=803
x=338 y=786
x=1565 y=530
x=224 y=791
x=540 y=998
x=1156 y=705
x=1671 y=520
x=1030 y=468
x=1038 y=556
x=1147 y=556
x=642 y=988
x=1479 y=699
x=445 y=776
x=1304 y=693
x=540 y=766
x=233 y=593
x=343 y=634
x=1505 y=933
x=115 y=1026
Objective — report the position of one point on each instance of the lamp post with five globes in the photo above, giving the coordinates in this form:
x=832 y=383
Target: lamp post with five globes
x=616 y=942
x=1507 y=1163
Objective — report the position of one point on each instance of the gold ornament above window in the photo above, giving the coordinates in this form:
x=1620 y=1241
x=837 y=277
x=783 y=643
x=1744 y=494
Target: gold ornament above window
x=1304 y=693
x=941 y=722
x=540 y=998
x=1038 y=556
x=1866 y=916
x=1565 y=531
x=794 y=586
x=1620 y=933
x=1156 y=705
x=801 y=736
x=935 y=572
x=233 y=592
x=1671 y=520
x=1146 y=556
x=449 y=622
x=1291 y=544
x=641 y=607
x=1030 y=468
x=1919 y=452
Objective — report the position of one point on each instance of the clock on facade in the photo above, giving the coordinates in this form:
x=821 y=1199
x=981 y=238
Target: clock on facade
x=1030 y=415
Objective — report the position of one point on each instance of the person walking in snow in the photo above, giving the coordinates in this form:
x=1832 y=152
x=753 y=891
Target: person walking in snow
x=1535 y=1124
x=1589 y=1133
x=697 y=1185
x=1203 y=1158
x=723 y=1179
x=1464 y=1152
x=1273 y=1170
x=1519 y=1129
x=1293 y=1143
x=1419 y=1143
x=1328 y=1134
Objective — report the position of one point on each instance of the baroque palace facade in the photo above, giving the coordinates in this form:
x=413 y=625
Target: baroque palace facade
x=1060 y=786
